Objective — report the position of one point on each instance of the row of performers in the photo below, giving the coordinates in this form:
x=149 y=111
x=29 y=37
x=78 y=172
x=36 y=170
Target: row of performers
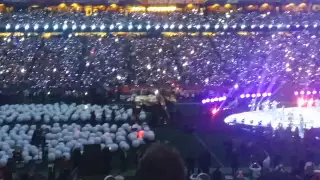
x=267 y=105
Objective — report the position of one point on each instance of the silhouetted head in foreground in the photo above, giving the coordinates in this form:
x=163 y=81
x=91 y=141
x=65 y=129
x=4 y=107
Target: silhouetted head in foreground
x=160 y=162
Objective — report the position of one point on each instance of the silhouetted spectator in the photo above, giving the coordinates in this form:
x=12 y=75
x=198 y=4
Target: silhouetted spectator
x=160 y=162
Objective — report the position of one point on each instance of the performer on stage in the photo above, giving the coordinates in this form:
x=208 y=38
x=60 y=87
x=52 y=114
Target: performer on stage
x=317 y=103
x=266 y=105
x=252 y=104
x=274 y=105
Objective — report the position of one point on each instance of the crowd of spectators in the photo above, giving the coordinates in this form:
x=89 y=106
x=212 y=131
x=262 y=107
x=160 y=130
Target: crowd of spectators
x=194 y=17
x=223 y=60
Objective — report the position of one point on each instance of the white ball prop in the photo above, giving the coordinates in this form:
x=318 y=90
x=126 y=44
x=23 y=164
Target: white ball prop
x=135 y=143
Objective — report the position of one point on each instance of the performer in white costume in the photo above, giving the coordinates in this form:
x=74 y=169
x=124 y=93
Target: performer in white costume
x=266 y=106
x=310 y=103
x=252 y=105
x=274 y=105
x=317 y=103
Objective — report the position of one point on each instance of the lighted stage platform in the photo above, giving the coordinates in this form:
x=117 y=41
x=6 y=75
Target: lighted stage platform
x=301 y=117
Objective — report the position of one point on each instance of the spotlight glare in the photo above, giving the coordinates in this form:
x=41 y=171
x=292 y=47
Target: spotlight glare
x=139 y=26
x=111 y=26
x=36 y=26
x=198 y=26
x=269 y=94
x=214 y=111
x=243 y=26
x=157 y=26
x=302 y=92
x=74 y=27
x=26 y=27
x=17 y=26
x=171 y=26
x=180 y=26
x=55 y=27
x=314 y=92
x=270 y=26
x=247 y=95
x=296 y=93
x=130 y=27
x=102 y=26
x=225 y=26
x=93 y=27
x=207 y=26
x=261 y=26
x=216 y=26
x=258 y=94
x=308 y=92
x=8 y=26
x=120 y=27
x=189 y=26
x=242 y=96
x=65 y=26
x=165 y=26
x=83 y=26
x=148 y=26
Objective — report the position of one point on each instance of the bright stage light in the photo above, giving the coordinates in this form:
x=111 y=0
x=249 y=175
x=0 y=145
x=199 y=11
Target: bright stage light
x=8 y=26
x=247 y=95
x=214 y=111
x=314 y=92
x=302 y=92
x=242 y=96
x=253 y=95
x=258 y=94
x=296 y=93
x=308 y=92
x=264 y=94
x=269 y=94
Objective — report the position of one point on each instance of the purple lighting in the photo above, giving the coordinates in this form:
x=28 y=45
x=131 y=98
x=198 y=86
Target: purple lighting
x=301 y=92
x=247 y=95
x=264 y=95
x=296 y=93
x=269 y=94
x=242 y=96
x=212 y=100
x=253 y=95
x=314 y=92
x=308 y=92
x=258 y=94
